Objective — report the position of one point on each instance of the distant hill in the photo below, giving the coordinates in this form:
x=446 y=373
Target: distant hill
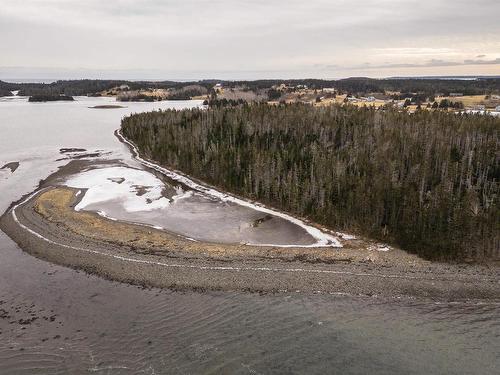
x=356 y=85
x=50 y=98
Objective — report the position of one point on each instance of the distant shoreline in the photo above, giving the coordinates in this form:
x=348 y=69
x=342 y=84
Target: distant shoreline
x=17 y=80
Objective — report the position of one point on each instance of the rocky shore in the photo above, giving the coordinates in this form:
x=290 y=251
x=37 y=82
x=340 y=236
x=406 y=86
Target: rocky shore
x=46 y=226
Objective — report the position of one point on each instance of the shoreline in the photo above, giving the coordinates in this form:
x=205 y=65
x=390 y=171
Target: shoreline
x=152 y=257
x=214 y=191
x=97 y=245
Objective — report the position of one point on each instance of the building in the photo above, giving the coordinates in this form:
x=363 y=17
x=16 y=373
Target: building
x=456 y=94
x=282 y=87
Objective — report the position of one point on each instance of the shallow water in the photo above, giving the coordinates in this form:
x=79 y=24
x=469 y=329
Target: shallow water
x=84 y=324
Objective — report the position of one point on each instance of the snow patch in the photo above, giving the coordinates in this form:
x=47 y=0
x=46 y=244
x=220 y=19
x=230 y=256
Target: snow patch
x=345 y=236
x=379 y=247
x=101 y=187
x=181 y=194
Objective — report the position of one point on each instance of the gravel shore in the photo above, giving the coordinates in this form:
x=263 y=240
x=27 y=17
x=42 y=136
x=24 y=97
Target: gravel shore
x=46 y=226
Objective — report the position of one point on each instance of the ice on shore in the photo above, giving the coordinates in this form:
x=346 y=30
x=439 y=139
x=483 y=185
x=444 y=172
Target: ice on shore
x=379 y=247
x=137 y=190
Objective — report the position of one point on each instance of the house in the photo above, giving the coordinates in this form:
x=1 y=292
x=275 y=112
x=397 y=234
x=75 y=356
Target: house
x=281 y=87
x=218 y=88
x=456 y=94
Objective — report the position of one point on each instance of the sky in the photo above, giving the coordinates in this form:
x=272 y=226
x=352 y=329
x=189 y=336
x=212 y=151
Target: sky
x=248 y=39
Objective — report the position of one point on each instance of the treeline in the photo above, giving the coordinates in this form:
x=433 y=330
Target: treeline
x=428 y=182
x=223 y=102
x=92 y=86
x=70 y=88
x=137 y=98
x=426 y=87
x=50 y=98
x=5 y=92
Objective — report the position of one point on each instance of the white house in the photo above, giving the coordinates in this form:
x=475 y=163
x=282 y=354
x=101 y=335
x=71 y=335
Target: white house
x=281 y=87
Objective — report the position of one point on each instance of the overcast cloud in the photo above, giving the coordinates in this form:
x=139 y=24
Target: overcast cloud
x=189 y=39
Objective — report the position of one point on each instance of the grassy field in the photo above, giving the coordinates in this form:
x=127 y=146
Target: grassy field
x=468 y=101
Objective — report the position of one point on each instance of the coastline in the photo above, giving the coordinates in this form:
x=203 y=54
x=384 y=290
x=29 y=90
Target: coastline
x=141 y=255
x=214 y=191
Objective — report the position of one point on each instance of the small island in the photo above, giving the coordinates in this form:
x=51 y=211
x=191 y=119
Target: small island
x=50 y=98
x=107 y=106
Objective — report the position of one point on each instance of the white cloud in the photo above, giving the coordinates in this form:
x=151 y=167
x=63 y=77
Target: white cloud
x=317 y=37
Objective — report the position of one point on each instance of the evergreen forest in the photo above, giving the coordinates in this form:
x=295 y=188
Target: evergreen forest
x=427 y=182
